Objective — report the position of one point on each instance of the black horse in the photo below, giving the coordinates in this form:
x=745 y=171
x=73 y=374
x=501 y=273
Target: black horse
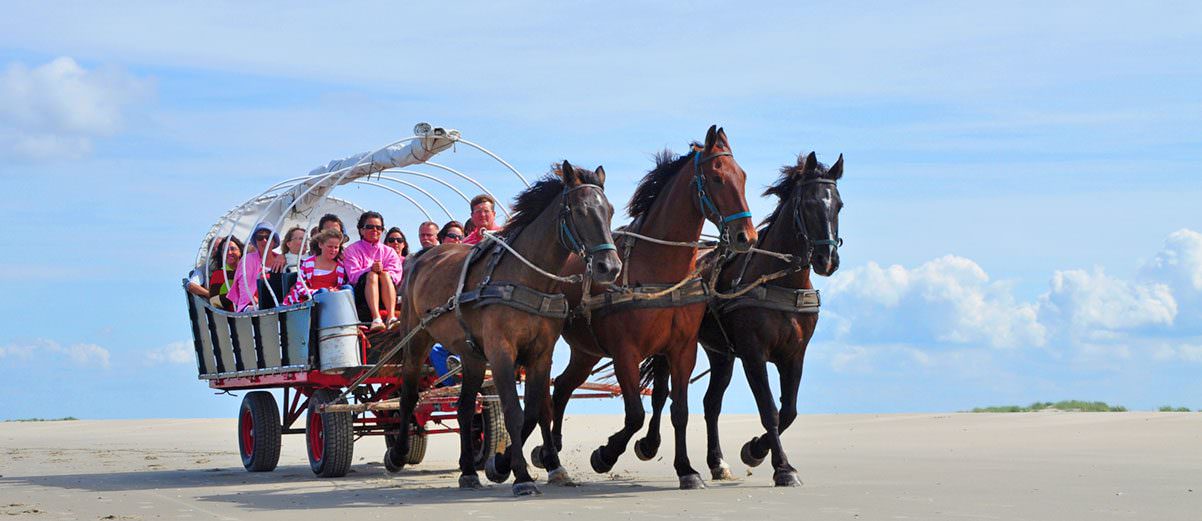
x=771 y=323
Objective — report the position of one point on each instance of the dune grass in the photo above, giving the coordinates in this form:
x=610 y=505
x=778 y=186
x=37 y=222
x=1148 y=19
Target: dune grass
x=63 y=419
x=1170 y=408
x=1063 y=405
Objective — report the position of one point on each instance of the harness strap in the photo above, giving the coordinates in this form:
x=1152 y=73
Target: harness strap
x=774 y=297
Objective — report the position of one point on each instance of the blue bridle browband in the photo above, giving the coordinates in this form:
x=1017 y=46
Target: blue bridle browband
x=707 y=205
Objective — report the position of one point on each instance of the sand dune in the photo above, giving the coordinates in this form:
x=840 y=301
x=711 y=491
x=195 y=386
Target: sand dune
x=1046 y=466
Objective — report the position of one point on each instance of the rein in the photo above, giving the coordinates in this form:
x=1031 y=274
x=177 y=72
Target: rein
x=520 y=297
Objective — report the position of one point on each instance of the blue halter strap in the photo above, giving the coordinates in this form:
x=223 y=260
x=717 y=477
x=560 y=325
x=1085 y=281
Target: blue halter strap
x=568 y=238
x=707 y=204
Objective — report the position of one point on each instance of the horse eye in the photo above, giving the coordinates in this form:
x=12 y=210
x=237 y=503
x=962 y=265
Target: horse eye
x=719 y=180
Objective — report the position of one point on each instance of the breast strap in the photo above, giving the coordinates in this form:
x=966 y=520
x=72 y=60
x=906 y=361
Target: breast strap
x=774 y=297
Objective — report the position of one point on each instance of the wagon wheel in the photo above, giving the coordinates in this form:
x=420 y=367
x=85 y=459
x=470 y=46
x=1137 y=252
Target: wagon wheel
x=417 y=448
x=259 y=432
x=489 y=436
x=329 y=437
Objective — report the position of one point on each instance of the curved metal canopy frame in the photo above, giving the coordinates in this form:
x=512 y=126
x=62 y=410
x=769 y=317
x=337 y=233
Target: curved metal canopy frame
x=233 y=218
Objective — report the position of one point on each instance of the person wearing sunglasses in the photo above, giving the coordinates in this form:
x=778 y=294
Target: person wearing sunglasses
x=260 y=256
x=451 y=233
x=395 y=239
x=484 y=217
x=375 y=271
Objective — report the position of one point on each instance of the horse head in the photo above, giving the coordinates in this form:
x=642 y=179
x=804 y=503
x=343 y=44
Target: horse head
x=585 y=220
x=720 y=182
x=816 y=204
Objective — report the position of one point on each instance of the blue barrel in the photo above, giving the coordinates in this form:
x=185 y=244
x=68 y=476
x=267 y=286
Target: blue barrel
x=337 y=330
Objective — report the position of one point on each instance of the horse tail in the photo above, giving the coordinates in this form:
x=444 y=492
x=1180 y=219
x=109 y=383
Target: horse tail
x=649 y=368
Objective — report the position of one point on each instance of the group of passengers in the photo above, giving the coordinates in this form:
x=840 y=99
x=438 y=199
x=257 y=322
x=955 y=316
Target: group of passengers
x=370 y=267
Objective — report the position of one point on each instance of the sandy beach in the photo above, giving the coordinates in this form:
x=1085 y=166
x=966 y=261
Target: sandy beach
x=1038 y=466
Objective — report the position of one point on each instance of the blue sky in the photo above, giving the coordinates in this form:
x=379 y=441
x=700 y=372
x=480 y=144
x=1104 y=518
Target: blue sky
x=1022 y=181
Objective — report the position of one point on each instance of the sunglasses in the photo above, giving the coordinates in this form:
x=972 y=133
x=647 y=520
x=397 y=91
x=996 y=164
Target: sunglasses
x=454 y=236
x=373 y=227
x=393 y=240
x=262 y=237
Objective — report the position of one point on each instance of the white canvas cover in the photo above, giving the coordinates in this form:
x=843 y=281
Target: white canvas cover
x=306 y=199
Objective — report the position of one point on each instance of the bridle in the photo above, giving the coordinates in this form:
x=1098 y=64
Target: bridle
x=796 y=262
x=799 y=223
x=708 y=208
x=569 y=238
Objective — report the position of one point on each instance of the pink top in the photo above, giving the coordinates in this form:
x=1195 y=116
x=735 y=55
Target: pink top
x=246 y=280
x=358 y=258
x=477 y=235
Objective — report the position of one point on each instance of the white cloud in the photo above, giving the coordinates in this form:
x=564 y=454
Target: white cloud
x=1093 y=305
x=1179 y=266
x=946 y=300
x=80 y=354
x=58 y=108
x=173 y=353
x=881 y=316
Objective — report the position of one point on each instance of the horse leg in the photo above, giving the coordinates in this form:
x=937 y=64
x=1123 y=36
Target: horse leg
x=646 y=448
x=722 y=366
x=538 y=384
x=682 y=369
x=503 y=377
x=398 y=455
x=472 y=380
x=757 y=377
x=790 y=383
x=626 y=368
x=578 y=370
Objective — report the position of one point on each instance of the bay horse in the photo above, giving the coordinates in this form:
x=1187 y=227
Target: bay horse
x=773 y=323
x=671 y=203
x=505 y=312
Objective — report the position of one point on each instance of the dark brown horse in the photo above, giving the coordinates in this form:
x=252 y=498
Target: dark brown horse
x=500 y=322
x=671 y=203
x=773 y=324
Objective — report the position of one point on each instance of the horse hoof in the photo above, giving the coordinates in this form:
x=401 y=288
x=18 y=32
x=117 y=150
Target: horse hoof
x=393 y=462
x=600 y=466
x=748 y=454
x=470 y=481
x=490 y=470
x=645 y=450
x=536 y=457
x=721 y=472
x=559 y=477
x=691 y=482
x=786 y=479
x=526 y=489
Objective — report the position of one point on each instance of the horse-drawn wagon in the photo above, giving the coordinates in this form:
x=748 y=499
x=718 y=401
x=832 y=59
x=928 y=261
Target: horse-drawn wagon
x=316 y=352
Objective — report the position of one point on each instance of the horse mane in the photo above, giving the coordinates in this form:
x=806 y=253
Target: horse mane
x=791 y=176
x=666 y=165
x=529 y=204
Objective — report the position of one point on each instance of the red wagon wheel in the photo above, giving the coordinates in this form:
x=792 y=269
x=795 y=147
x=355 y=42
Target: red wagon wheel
x=259 y=432
x=329 y=437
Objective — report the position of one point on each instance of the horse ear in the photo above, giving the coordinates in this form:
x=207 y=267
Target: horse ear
x=601 y=175
x=836 y=170
x=710 y=136
x=810 y=163
x=568 y=174
x=720 y=138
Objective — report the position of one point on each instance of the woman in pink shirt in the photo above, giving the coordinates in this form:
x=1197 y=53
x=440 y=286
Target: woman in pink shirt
x=245 y=287
x=375 y=271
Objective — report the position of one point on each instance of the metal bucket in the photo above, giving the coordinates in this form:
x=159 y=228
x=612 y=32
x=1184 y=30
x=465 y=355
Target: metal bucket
x=337 y=331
